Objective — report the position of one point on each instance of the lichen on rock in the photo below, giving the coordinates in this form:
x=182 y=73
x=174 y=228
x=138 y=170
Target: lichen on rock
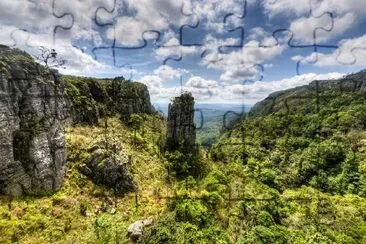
x=108 y=165
x=93 y=99
x=33 y=110
x=181 y=128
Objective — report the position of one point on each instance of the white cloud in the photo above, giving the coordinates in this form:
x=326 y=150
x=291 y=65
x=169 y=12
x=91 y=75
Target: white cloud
x=305 y=16
x=350 y=52
x=302 y=7
x=304 y=27
x=212 y=91
x=254 y=92
x=200 y=83
x=242 y=64
x=172 y=49
x=166 y=72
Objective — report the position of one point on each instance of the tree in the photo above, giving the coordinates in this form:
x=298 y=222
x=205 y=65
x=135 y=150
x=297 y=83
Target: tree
x=49 y=58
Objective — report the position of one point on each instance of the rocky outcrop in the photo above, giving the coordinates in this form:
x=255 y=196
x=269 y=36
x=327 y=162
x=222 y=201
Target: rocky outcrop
x=181 y=132
x=129 y=97
x=33 y=109
x=96 y=98
x=108 y=165
x=84 y=108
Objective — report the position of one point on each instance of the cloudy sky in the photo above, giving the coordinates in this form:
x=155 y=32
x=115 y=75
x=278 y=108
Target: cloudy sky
x=230 y=51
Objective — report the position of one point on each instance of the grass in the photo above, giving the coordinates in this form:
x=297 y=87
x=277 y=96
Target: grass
x=82 y=212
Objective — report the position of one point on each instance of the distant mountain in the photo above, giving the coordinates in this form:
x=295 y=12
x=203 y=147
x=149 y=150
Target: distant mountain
x=210 y=119
x=316 y=89
x=163 y=107
x=312 y=135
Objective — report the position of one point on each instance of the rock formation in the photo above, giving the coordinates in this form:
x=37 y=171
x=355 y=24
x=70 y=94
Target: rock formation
x=181 y=132
x=129 y=97
x=33 y=109
x=136 y=229
x=96 y=98
x=108 y=165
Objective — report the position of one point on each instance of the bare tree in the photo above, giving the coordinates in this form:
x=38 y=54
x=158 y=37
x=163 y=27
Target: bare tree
x=49 y=58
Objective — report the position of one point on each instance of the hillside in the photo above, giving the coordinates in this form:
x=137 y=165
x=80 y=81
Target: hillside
x=294 y=171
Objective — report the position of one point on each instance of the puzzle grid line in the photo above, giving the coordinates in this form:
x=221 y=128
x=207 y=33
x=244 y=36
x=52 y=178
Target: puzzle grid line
x=315 y=46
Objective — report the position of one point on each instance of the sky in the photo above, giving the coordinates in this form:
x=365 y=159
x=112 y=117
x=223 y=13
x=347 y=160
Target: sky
x=231 y=51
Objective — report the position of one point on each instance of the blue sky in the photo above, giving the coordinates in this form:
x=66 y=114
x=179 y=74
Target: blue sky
x=285 y=43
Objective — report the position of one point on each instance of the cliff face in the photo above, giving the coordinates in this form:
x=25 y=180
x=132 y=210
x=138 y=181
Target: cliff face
x=32 y=114
x=181 y=132
x=96 y=98
x=129 y=97
x=354 y=83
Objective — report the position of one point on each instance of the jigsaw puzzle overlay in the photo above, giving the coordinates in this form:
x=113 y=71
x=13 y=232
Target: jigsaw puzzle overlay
x=105 y=38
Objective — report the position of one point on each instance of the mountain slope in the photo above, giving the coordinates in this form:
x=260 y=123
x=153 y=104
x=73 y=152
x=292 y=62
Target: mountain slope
x=311 y=135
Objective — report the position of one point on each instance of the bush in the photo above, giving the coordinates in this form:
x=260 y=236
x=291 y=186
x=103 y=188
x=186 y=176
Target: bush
x=193 y=211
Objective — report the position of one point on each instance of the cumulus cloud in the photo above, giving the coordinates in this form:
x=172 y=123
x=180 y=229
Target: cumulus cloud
x=304 y=16
x=211 y=91
x=200 y=83
x=242 y=64
x=172 y=48
x=256 y=91
x=350 y=52
x=303 y=28
x=155 y=15
x=166 y=72
x=302 y=7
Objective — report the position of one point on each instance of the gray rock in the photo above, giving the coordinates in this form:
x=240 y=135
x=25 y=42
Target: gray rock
x=33 y=109
x=95 y=98
x=129 y=97
x=108 y=165
x=136 y=229
x=181 y=128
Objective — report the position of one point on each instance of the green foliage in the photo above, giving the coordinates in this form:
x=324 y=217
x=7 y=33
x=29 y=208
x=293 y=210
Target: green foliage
x=135 y=121
x=183 y=165
x=302 y=146
x=107 y=231
x=168 y=230
x=262 y=234
x=215 y=181
x=192 y=211
x=300 y=177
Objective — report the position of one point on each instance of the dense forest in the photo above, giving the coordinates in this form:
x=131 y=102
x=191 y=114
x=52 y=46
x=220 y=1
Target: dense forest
x=292 y=170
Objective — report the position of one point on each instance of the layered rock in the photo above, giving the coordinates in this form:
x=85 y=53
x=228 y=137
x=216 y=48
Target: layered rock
x=108 y=166
x=129 y=97
x=96 y=98
x=33 y=110
x=181 y=132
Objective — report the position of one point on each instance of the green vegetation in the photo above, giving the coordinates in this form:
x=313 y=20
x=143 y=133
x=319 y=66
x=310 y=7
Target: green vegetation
x=213 y=124
x=296 y=174
x=82 y=212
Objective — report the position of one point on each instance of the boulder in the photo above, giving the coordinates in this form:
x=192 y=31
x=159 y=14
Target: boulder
x=108 y=165
x=136 y=229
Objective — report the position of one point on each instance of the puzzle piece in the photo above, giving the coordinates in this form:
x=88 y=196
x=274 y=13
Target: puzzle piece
x=15 y=39
x=314 y=46
x=182 y=44
x=61 y=16
x=113 y=47
x=243 y=116
x=239 y=28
